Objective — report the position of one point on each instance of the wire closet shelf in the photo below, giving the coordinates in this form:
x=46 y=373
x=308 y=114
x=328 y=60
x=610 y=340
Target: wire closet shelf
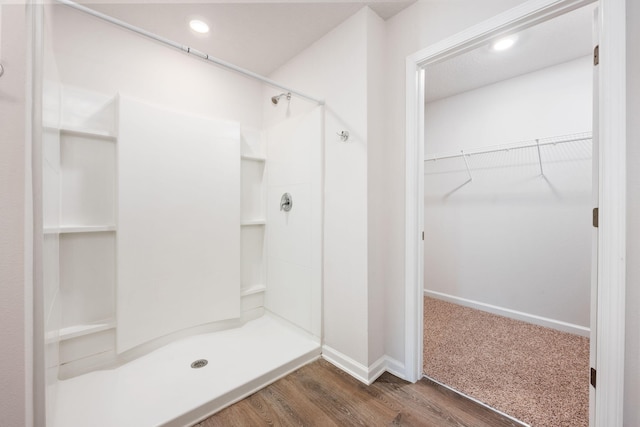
x=575 y=137
x=535 y=143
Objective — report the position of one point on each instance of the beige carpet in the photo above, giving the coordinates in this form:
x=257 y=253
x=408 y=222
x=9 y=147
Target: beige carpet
x=535 y=374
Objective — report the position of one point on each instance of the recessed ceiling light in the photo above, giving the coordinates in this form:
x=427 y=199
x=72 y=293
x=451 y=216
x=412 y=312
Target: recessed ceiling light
x=504 y=44
x=199 y=26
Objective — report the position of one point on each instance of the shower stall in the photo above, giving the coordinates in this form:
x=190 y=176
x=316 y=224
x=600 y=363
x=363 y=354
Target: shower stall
x=182 y=230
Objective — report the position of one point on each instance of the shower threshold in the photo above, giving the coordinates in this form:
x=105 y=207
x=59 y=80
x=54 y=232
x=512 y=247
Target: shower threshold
x=162 y=389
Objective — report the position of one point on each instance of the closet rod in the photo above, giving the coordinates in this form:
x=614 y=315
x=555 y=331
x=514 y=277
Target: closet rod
x=187 y=49
x=536 y=143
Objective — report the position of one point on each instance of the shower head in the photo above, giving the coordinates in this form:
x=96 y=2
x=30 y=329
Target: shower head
x=276 y=99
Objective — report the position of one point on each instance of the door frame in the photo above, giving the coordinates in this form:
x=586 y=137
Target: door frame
x=610 y=316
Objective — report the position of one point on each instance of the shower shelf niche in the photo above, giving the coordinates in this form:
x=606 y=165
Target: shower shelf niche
x=253 y=158
x=253 y=222
x=80 y=229
x=253 y=218
x=90 y=133
x=253 y=290
x=86 y=227
x=82 y=330
x=86 y=132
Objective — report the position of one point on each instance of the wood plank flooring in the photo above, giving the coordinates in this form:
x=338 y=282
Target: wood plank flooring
x=319 y=394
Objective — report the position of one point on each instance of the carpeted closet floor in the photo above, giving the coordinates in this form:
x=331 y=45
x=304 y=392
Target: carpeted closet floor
x=535 y=374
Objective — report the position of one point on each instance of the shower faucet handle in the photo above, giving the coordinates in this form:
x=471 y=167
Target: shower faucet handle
x=286 y=202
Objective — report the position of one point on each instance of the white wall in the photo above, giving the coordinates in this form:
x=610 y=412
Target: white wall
x=16 y=300
x=512 y=238
x=632 y=312
x=546 y=103
x=415 y=28
x=376 y=140
x=94 y=55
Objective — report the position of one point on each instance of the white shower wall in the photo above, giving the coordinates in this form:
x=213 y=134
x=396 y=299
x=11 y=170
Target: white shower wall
x=178 y=231
x=294 y=150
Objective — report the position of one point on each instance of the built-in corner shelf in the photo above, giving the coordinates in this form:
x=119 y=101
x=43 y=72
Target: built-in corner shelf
x=82 y=330
x=84 y=132
x=253 y=222
x=253 y=158
x=88 y=133
x=254 y=289
x=87 y=229
x=79 y=229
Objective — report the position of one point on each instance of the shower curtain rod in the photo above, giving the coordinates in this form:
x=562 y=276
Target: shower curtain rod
x=536 y=143
x=187 y=49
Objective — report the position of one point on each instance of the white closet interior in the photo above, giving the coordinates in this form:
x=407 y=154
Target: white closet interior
x=508 y=197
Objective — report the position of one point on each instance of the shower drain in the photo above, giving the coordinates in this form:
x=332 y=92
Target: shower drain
x=200 y=363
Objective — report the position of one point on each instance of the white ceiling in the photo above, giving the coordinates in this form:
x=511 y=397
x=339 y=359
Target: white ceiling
x=553 y=42
x=259 y=35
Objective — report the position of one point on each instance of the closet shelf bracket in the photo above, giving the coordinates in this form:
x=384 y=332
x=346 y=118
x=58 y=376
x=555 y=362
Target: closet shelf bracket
x=539 y=157
x=466 y=163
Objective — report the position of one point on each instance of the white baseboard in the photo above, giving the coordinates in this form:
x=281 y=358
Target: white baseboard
x=376 y=369
x=347 y=364
x=513 y=314
x=362 y=373
x=396 y=368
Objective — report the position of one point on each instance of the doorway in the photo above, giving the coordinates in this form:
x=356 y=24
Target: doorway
x=612 y=187
x=508 y=196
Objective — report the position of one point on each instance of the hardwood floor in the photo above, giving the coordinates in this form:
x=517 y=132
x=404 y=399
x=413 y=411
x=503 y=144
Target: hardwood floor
x=319 y=394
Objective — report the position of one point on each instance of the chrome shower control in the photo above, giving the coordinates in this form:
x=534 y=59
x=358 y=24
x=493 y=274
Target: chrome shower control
x=286 y=202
